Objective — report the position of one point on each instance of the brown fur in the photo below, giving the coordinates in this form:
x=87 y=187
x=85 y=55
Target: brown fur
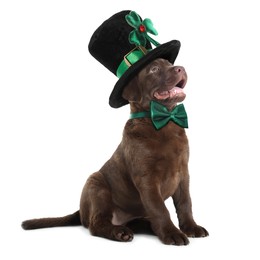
x=148 y=167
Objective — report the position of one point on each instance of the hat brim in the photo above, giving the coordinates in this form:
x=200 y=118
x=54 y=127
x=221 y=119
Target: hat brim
x=168 y=51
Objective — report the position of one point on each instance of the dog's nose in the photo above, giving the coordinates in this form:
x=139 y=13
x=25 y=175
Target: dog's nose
x=178 y=69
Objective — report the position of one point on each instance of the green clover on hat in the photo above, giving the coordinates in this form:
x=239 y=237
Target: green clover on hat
x=139 y=35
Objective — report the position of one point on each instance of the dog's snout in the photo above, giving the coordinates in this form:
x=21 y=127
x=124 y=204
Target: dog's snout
x=175 y=74
x=178 y=69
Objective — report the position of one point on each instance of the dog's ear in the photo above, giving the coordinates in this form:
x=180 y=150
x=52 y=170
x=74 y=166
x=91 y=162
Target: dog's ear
x=132 y=92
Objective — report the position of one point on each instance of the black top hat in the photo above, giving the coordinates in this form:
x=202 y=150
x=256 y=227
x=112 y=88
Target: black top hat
x=122 y=45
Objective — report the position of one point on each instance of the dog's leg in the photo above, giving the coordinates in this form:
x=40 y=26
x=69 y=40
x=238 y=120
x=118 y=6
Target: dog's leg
x=182 y=202
x=96 y=208
x=159 y=217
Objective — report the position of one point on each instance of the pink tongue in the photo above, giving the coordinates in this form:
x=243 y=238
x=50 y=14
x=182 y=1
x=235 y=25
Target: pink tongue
x=168 y=93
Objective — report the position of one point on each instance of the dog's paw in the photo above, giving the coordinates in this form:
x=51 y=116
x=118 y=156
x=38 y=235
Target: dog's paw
x=122 y=233
x=176 y=238
x=194 y=231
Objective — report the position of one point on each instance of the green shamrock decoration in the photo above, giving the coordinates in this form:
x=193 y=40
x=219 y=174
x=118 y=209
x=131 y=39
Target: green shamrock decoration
x=139 y=35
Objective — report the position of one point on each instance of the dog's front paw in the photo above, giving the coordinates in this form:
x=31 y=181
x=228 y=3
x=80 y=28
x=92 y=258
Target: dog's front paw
x=122 y=233
x=194 y=231
x=175 y=238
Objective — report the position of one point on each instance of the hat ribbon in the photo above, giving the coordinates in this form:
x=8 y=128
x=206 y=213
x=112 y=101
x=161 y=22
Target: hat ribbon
x=130 y=58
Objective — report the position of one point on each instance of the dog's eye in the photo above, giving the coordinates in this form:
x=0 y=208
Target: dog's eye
x=154 y=69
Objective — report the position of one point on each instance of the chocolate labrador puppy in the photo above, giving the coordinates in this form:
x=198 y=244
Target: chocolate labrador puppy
x=148 y=167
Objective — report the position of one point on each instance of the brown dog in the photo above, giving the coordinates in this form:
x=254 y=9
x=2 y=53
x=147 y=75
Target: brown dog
x=148 y=167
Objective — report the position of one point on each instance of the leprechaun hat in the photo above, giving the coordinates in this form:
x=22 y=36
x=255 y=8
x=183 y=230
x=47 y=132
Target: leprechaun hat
x=122 y=45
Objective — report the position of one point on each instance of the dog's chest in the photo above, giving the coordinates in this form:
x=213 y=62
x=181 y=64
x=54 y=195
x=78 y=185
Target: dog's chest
x=170 y=160
x=157 y=157
x=171 y=169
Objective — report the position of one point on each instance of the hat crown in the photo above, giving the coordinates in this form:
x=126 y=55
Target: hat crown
x=110 y=42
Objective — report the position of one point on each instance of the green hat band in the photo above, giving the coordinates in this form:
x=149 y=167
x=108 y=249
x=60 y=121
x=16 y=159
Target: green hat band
x=129 y=59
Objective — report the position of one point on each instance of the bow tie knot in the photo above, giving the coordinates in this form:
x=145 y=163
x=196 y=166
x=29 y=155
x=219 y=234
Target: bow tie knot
x=160 y=115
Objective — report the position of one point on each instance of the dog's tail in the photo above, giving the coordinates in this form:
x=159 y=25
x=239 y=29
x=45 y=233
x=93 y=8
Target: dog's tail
x=69 y=220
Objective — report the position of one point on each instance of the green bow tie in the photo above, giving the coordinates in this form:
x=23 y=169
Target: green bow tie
x=161 y=116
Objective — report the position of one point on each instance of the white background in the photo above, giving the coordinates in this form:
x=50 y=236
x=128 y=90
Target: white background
x=56 y=127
